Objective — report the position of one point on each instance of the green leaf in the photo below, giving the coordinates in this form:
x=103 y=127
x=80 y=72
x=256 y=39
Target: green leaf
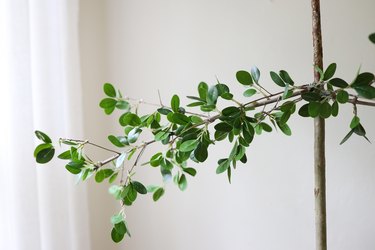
x=314 y=109
x=347 y=137
x=285 y=129
x=115 y=141
x=188 y=146
x=113 y=178
x=255 y=74
x=117 y=218
x=286 y=78
x=223 y=127
x=363 y=79
x=330 y=71
x=201 y=152
x=156 y=159
x=139 y=187
x=73 y=169
x=266 y=127
x=230 y=111
x=244 y=77
x=249 y=92
x=190 y=171
x=178 y=118
x=372 y=38
x=335 y=109
x=342 y=96
x=276 y=79
x=120 y=227
x=164 y=111
x=42 y=136
x=65 y=155
x=158 y=193
x=107 y=103
x=355 y=122
x=202 y=90
x=367 y=92
x=337 y=82
x=134 y=134
x=129 y=119
x=304 y=110
x=212 y=95
x=325 y=110
x=223 y=166
x=311 y=96
x=175 y=103
x=116 y=237
x=182 y=182
x=120 y=160
x=109 y=90
x=99 y=177
x=44 y=153
x=123 y=105
x=109 y=110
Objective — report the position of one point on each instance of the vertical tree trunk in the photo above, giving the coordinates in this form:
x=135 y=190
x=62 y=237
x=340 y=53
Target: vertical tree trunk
x=319 y=140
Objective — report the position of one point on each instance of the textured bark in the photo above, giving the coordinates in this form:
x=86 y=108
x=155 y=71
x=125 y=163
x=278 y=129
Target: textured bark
x=319 y=140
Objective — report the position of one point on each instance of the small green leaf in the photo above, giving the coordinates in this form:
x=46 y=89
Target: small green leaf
x=286 y=78
x=304 y=110
x=335 y=109
x=202 y=90
x=347 y=137
x=255 y=74
x=158 y=193
x=123 y=105
x=355 y=121
x=201 y=152
x=337 y=82
x=372 y=38
x=113 y=178
x=367 y=92
x=129 y=119
x=314 y=109
x=44 y=153
x=109 y=90
x=175 y=103
x=212 y=95
x=285 y=129
x=120 y=227
x=188 y=146
x=190 y=171
x=363 y=79
x=116 y=237
x=223 y=127
x=139 y=187
x=244 y=77
x=276 y=79
x=325 y=110
x=223 y=166
x=182 y=182
x=107 y=103
x=65 y=155
x=120 y=160
x=311 y=96
x=156 y=159
x=249 y=92
x=42 y=136
x=115 y=141
x=342 y=96
x=330 y=71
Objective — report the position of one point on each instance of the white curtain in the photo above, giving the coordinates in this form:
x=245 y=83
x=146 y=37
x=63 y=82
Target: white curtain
x=40 y=205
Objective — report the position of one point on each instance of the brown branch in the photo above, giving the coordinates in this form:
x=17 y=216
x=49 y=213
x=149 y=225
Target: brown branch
x=319 y=138
x=365 y=103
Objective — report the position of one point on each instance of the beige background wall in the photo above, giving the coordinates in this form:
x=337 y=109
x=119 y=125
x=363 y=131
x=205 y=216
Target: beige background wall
x=143 y=46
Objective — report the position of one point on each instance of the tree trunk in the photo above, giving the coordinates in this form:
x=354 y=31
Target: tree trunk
x=319 y=139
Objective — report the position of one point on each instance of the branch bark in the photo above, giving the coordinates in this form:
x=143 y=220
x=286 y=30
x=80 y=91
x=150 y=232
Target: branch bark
x=319 y=139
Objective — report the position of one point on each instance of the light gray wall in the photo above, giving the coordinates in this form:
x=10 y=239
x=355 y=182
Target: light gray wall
x=143 y=46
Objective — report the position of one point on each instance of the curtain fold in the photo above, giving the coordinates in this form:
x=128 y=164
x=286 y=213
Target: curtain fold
x=41 y=207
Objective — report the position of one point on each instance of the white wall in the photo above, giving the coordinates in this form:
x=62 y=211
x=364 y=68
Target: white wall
x=143 y=46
